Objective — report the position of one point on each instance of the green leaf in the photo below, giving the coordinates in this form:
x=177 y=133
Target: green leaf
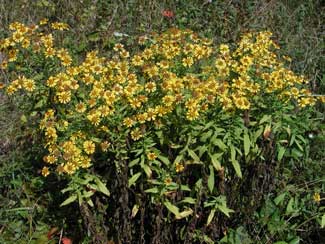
x=40 y=103
x=295 y=240
x=211 y=179
x=90 y=203
x=322 y=223
x=224 y=209
x=211 y=215
x=280 y=242
x=290 y=206
x=215 y=162
x=133 y=179
x=232 y=152
x=164 y=159
x=234 y=162
x=147 y=170
x=279 y=199
x=102 y=187
x=281 y=153
x=184 y=213
x=178 y=159
x=88 y=194
x=236 y=166
x=189 y=200
x=134 y=162
x=69 y=200
x=172 y=208
x=152 y=190
x=193 y=155
x=220 y=144
x=185 y=188
x=79 y=198
x=135 y=210
x=265 y=118
x=208 y=240
x=247 y=144
x=205 y=136
x=23 y=119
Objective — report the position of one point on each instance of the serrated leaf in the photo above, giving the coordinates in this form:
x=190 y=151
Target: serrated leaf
x=211 y=215
x=69 y=200
x=211 y=179
x=133 y=179
x=247 y=144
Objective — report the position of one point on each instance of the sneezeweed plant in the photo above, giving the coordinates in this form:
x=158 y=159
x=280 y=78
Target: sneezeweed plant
x=182 y=115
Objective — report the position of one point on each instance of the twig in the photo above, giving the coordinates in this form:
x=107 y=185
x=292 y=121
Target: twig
x=61 y=234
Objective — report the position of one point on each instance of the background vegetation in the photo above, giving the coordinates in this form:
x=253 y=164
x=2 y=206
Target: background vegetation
x=286 y=211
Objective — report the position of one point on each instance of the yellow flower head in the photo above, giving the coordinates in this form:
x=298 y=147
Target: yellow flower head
x=316 y=197
x=45 y=171
x=151 y=156
x=89 y=147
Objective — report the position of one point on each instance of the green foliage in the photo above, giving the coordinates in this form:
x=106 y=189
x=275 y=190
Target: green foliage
x=262 y=170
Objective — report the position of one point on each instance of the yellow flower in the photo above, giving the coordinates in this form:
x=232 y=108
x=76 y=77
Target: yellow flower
x=179 y=167
x=151 y=156
x=59 y=26
x=188 y=62
x=104 y=146
x=137 y=60
x=150 y=87
x=80 y=108
x=45 y=171
x=316 y=197
x=29 y=85
x=43 y=21
x=168 y=181
x=64 y=97
x=128 y=122
x=69 y=168
x=89 y=147
x=136 y=134
x=51 y=159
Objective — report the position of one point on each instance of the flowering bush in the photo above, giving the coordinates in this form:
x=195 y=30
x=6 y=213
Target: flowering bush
x=182 y=118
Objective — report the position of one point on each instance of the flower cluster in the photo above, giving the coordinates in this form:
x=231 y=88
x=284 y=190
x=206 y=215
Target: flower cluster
x=174 y=71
